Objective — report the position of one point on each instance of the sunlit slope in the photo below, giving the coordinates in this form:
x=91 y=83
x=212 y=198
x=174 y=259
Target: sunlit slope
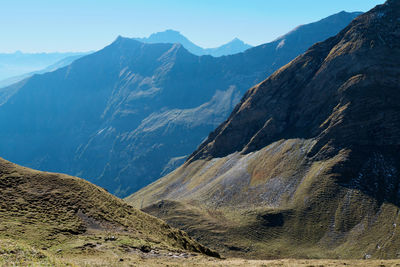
x=61 y=214
x=307 y=165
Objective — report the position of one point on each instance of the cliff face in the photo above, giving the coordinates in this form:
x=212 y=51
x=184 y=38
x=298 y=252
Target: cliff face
x=308 y=160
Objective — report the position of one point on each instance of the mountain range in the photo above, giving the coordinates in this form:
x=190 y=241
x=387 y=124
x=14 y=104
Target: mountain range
x=170 y=36
x=59 y=64
x=19 y=63
x=131 y=112
x=307 y=164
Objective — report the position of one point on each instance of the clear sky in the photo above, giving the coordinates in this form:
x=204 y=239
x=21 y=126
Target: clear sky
x=83 y=25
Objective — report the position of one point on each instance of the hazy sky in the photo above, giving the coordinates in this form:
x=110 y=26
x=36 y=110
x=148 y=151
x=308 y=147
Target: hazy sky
x=82 y=25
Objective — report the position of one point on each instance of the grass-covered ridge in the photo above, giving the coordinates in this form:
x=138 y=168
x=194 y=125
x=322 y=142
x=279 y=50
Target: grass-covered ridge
x=62 y=215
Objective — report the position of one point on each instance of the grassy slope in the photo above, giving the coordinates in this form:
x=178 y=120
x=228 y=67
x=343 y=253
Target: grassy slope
x=307 y=214
x=63 y=216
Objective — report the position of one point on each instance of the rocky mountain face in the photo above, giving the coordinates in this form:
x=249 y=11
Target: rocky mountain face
x=172 y=37
x=131 y=112
x=307 y=164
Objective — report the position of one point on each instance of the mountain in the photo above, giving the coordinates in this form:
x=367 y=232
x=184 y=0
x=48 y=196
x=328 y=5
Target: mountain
x=170 y=36
x=307 y=164
x=233 y=47
x=66 y=217
x=18 y=63
x=59 y=64
x=125 y=115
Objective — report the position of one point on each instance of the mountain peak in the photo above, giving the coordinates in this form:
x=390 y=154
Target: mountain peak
x=167 y=36
x=124 y=42
x=236 y=40
x=173 y=36
x=169 y=31
x=120 y=39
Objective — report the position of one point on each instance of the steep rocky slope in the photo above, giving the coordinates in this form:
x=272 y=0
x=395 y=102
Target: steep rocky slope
x=307 y=165
x=123 y=116
x=63 y=216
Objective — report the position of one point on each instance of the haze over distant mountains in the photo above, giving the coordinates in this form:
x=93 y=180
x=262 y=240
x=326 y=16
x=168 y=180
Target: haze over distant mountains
x=170 y=36
x=18 y=63
x=59 y=64
x=307 y=164
x=131 y=112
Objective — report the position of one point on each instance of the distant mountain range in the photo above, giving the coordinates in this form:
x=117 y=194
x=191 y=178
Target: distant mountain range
x=170 y=36
x=18 y=66
x=131 y=112
x=18 y=63
x=308 y=163
x=59 y=64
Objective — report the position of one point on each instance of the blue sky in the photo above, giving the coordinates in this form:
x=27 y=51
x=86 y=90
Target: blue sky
x=83 y=25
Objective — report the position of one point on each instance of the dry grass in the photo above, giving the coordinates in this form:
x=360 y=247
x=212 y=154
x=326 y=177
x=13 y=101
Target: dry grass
x=15 y=254
x=65 y=217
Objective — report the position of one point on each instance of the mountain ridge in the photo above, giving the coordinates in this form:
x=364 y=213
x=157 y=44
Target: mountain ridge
x=307 y=163
x=68 y=218
x=119 y=116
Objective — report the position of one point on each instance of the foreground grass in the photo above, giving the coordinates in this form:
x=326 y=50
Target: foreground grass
x=17 y=254
x=256 y=263
x=56 y=212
